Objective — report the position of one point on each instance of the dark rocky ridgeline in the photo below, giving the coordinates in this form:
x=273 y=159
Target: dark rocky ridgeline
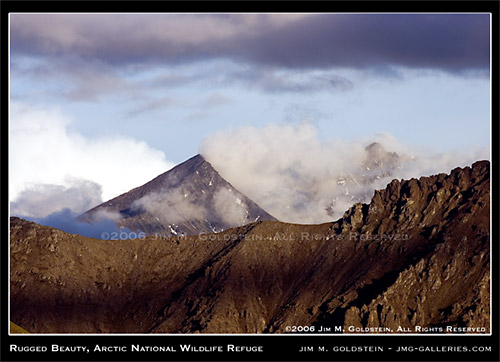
x=189 y=199
x=417 y=255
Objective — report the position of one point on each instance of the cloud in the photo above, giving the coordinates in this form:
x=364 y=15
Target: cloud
x=42 y=150
x=73 y=78
x=261 y=78
x=171 y=206
x=90 y=86
x=41 y=200
x=151 y=37
x=215 y=100
x=275 y=81
x=450 y=42
x=157 y=104
x=60 y=206
x=174 y=206
x=231 y=209
x=296 y=177
x=56 y=175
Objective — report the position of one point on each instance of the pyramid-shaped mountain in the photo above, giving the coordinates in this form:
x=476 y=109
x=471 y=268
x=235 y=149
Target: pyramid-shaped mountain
x=191 y=198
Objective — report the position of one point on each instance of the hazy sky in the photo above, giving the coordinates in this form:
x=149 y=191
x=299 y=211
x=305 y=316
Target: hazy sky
x=116 y=99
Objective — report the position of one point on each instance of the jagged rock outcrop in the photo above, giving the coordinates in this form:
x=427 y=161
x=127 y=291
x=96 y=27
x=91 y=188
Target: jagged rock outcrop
x=417 y=255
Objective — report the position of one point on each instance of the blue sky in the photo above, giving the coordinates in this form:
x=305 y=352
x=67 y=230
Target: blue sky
x=159 y=85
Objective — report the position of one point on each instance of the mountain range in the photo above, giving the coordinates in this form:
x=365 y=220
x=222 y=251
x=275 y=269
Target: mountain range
x=417 y=255
x=194 y=198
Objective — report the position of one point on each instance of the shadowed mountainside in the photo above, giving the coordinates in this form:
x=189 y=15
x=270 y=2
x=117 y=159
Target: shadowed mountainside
x=418 y=254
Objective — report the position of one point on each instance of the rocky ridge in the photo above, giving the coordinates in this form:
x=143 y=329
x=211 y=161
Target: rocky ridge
x=417 y=256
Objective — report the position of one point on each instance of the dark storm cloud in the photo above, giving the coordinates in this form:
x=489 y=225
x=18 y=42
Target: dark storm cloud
x=450 y=42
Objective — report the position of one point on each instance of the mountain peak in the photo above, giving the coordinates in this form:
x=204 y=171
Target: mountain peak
x=375 y=147
x=191 y=198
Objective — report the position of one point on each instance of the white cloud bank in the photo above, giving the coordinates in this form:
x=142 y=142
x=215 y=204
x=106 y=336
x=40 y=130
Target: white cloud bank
x=174 y=206
x=296 y=177
x=52 y=168
x=42 y=200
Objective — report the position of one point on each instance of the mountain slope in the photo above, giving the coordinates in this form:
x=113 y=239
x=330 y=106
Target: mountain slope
x=15 y=329
x=191 y=198
x=417 y=255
